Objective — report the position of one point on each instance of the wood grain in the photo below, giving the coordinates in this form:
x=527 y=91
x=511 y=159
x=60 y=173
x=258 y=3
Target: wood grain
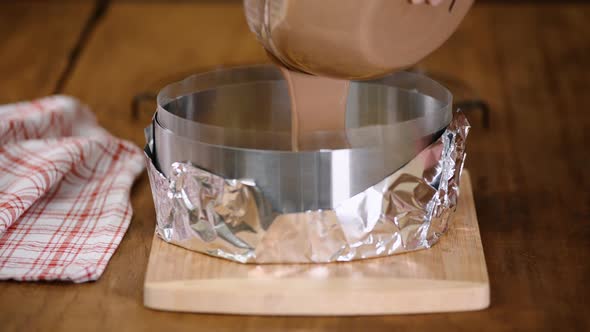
x=36 y=41
x=530 y=61
x=136 y=48
x=451 y=276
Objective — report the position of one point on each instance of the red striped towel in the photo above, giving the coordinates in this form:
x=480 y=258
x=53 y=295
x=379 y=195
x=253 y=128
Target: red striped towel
x=64 y=191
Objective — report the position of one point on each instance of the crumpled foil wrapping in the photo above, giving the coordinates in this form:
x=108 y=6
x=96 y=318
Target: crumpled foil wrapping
x=230 y=218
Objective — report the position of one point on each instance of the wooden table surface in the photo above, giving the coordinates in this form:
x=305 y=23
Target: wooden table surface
x=530 y=61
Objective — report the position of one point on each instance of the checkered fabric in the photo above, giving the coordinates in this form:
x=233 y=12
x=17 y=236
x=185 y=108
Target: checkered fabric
x=64 y=191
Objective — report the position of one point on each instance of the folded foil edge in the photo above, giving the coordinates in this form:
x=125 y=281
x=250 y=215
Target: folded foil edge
x=230 y=218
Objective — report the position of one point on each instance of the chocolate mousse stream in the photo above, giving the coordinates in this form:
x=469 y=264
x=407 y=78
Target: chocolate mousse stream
x=320 y=45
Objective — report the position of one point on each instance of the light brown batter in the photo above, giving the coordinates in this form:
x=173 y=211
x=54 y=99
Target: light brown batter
x=318 y=111
x=358 y=39
x=338 y=40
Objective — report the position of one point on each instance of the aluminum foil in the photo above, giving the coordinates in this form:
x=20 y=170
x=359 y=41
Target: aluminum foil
x=230 y=218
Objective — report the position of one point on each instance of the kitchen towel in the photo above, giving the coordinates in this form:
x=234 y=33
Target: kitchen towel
x=64 y=191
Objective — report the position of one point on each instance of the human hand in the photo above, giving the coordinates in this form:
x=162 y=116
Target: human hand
x=431 y=2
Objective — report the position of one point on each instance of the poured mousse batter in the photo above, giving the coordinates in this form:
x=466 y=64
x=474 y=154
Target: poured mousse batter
x=321 y=45
x=318 y=111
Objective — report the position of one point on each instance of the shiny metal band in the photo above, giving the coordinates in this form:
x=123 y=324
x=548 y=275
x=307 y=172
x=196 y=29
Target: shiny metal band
x=235 y=124
x=232 y=219
x=226 y=183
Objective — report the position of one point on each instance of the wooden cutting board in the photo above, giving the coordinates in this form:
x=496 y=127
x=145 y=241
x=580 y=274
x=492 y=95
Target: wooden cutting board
x=451 y=276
